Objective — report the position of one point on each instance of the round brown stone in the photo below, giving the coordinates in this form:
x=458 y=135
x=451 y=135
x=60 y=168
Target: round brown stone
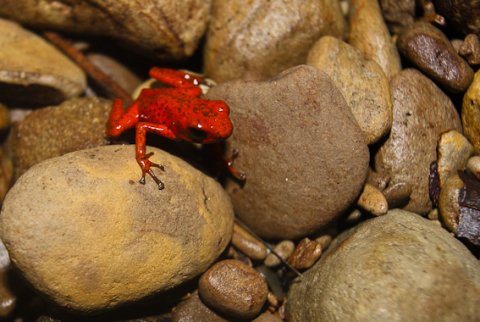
x=303 y=153
x=233 y=288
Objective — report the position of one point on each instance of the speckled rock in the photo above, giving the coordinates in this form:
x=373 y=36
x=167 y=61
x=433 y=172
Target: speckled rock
x=169 y=29
x=421 y=112
x=398 y=13
x=431 y=51
x=76 y=124
x=258 y=39
x=448 y=207
x=370 y=35
x=453 y=152
x=397 y=267
x=470 y=49
x=27 y=74
x=193 y=310
x=373 y=201
x=295 y=119
x=100 y=239
x=234 y=289
x=471 y=113
x=362 y=82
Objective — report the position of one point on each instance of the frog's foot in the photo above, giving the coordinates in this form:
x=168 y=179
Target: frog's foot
x=146 y=165
x=240 y=176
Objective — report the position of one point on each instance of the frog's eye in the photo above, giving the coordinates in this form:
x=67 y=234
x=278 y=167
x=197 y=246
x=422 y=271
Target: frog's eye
x=196 y=134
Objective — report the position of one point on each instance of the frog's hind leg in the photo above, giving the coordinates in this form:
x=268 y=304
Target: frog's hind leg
x=178 y=79
x=120 y=121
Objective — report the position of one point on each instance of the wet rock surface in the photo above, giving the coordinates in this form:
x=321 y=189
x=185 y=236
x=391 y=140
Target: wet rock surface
x=368 y=33
x=376 y=263
x=257 y=39
x=471 y=113
x=362 y=82
x=83 y=231
x=420 y=110
x=431 y=51
x=453 y=152
x=27 y=75
x=295 y=117
x=52 y=131
x=234 y=289
x=165 y=28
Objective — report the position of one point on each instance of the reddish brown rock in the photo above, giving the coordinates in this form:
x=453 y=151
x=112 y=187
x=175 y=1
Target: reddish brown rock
x=305 y=157
x=234 y=289
x=431 y=51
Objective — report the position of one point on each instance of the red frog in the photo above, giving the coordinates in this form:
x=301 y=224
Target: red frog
x=176 y=112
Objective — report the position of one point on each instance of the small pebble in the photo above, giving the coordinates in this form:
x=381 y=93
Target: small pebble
x=470 y=49
x=473 y=165
x=448 y=206
x=284 y=249
x=272 y=299
x=433 y=214
x=305 y=254
x=398 y=13
x=233 y=288
x=354 y=217
x=431 y=51
x=461 y=15
x=8 y=300
x=453 y=152
x=373 y=201
x=324 y=241
x=397 y=194
x=248 y=244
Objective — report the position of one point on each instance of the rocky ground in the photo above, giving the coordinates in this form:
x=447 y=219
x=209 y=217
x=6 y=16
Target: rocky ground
x=357 y=125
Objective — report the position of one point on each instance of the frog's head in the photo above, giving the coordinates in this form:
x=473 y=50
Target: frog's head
x=209 y=122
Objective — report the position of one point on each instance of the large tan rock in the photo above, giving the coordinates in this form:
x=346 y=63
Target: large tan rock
x=303 y=153
x=32 y=71
x=397 y=267
x=83 y=231
x=421 y=113
x=169 y=29
x=259 y=39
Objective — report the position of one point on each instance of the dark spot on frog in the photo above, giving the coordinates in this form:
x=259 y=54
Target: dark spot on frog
x=131 y=182
x=92 y=156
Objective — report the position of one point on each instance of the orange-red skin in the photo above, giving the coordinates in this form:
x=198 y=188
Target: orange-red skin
x=174 y=112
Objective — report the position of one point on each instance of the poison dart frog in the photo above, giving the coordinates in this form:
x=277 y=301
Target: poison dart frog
x=177 y=112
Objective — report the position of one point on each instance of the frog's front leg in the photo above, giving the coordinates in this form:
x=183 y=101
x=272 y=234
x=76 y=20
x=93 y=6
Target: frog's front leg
x=119 y=121
x=140 y=149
